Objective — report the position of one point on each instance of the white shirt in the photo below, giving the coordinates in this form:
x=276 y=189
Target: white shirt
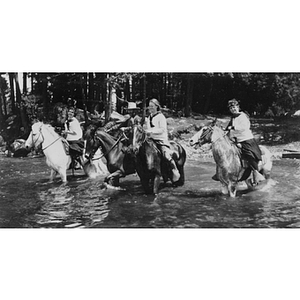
x=76 y=131
x=159 y=132
x=241 y=125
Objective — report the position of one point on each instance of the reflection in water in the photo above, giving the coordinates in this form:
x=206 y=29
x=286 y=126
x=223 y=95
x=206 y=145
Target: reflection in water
x=63 y=207
x=27 y=200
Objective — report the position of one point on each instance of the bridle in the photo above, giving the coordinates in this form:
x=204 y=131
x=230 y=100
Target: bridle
x=121 y=138
x=144 y=135
x=208 y=131
x=205 y=133
x=41 y=134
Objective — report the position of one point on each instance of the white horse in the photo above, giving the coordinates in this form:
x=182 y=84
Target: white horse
x=230 y=168
x=53 y=147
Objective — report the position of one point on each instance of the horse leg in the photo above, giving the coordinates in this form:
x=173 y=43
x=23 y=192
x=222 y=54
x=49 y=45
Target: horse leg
x=52 y=175
x=63 y=175
x=146 y=185
x=181 y=180
x=224 y=189
x=114 y=178
x=232 y=189
x=156 y=184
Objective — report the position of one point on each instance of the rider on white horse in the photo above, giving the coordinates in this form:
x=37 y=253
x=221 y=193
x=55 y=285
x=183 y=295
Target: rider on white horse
x=241 y=134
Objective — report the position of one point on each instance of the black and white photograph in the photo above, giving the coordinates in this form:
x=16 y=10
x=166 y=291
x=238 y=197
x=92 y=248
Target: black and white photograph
x=149 y=150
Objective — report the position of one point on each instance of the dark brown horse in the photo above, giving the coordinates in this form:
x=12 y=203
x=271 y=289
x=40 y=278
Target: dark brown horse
x=151 y=165
x=120 y=160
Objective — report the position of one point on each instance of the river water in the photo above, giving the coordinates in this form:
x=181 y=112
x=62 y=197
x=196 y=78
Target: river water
x=27 y=200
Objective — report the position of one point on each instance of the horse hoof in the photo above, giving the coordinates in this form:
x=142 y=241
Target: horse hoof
x=111 y=187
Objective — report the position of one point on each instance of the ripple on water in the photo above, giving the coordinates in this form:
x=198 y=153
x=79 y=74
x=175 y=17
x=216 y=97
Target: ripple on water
x=71 y=207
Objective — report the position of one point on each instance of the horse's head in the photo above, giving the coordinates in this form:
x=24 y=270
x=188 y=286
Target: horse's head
x=139 y=136
x=35 y=137
x=202 y=137
x=92 y=142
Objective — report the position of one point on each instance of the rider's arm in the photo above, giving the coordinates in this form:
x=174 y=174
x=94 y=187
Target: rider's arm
x=160 y=125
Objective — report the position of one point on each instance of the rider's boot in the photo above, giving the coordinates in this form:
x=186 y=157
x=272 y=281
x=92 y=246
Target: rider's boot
x=215 y=177
x=176 y=174
x=78 y=163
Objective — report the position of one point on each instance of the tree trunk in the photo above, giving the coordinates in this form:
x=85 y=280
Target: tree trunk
x=133 y=88
x=107 y=102
x=22 y=110
x=144 y=97
x=2 y=101
x=24 y=83
x=44 y=95
x=91 y=102
x=189 y=95
x=31 y=81
x=3 y=108
x=207 y=102
x=12 y=92
x=165 y=79
x=83 y=93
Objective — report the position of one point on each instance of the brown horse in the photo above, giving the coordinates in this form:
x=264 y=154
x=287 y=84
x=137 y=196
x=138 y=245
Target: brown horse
x=120 y=161
x=230 y=167
x=150 y=164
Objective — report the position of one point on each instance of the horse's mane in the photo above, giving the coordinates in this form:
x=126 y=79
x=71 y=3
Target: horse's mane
x=51 y=130
x=101 y=132
x=222 y=141
x=111 y=128
x=147 y=141
x=90 y=132
x=218 y=132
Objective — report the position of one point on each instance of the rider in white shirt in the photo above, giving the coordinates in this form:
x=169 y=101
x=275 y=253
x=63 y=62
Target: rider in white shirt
x=74 y=134
x=156 y=128
x=240 y=132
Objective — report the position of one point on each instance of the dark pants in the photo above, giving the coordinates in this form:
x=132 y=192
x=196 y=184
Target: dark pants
x=251 y=152
x=76 y=148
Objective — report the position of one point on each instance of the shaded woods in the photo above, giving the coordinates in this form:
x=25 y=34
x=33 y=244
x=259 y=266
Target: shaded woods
x=25 y=97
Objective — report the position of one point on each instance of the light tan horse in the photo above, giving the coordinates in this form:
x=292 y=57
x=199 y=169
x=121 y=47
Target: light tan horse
x=230 y=167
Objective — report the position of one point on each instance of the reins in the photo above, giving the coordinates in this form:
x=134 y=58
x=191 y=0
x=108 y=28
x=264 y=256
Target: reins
x=51 y=143
x=114 y=145
x=40 y=133
x=209 y=130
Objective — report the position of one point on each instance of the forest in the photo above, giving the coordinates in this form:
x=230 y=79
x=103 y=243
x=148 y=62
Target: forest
x=27 y=96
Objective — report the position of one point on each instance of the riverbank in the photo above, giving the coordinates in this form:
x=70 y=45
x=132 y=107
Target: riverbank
x=276 y=134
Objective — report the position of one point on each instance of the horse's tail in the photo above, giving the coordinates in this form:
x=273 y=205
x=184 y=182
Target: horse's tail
x=179 y=153
x=266 y=164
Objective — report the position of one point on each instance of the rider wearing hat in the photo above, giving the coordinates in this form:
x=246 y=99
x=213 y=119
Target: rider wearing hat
x=240 y=132
x=156 y=128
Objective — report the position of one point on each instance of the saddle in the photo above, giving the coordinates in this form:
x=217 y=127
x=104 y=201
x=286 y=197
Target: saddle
x=66 y=146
